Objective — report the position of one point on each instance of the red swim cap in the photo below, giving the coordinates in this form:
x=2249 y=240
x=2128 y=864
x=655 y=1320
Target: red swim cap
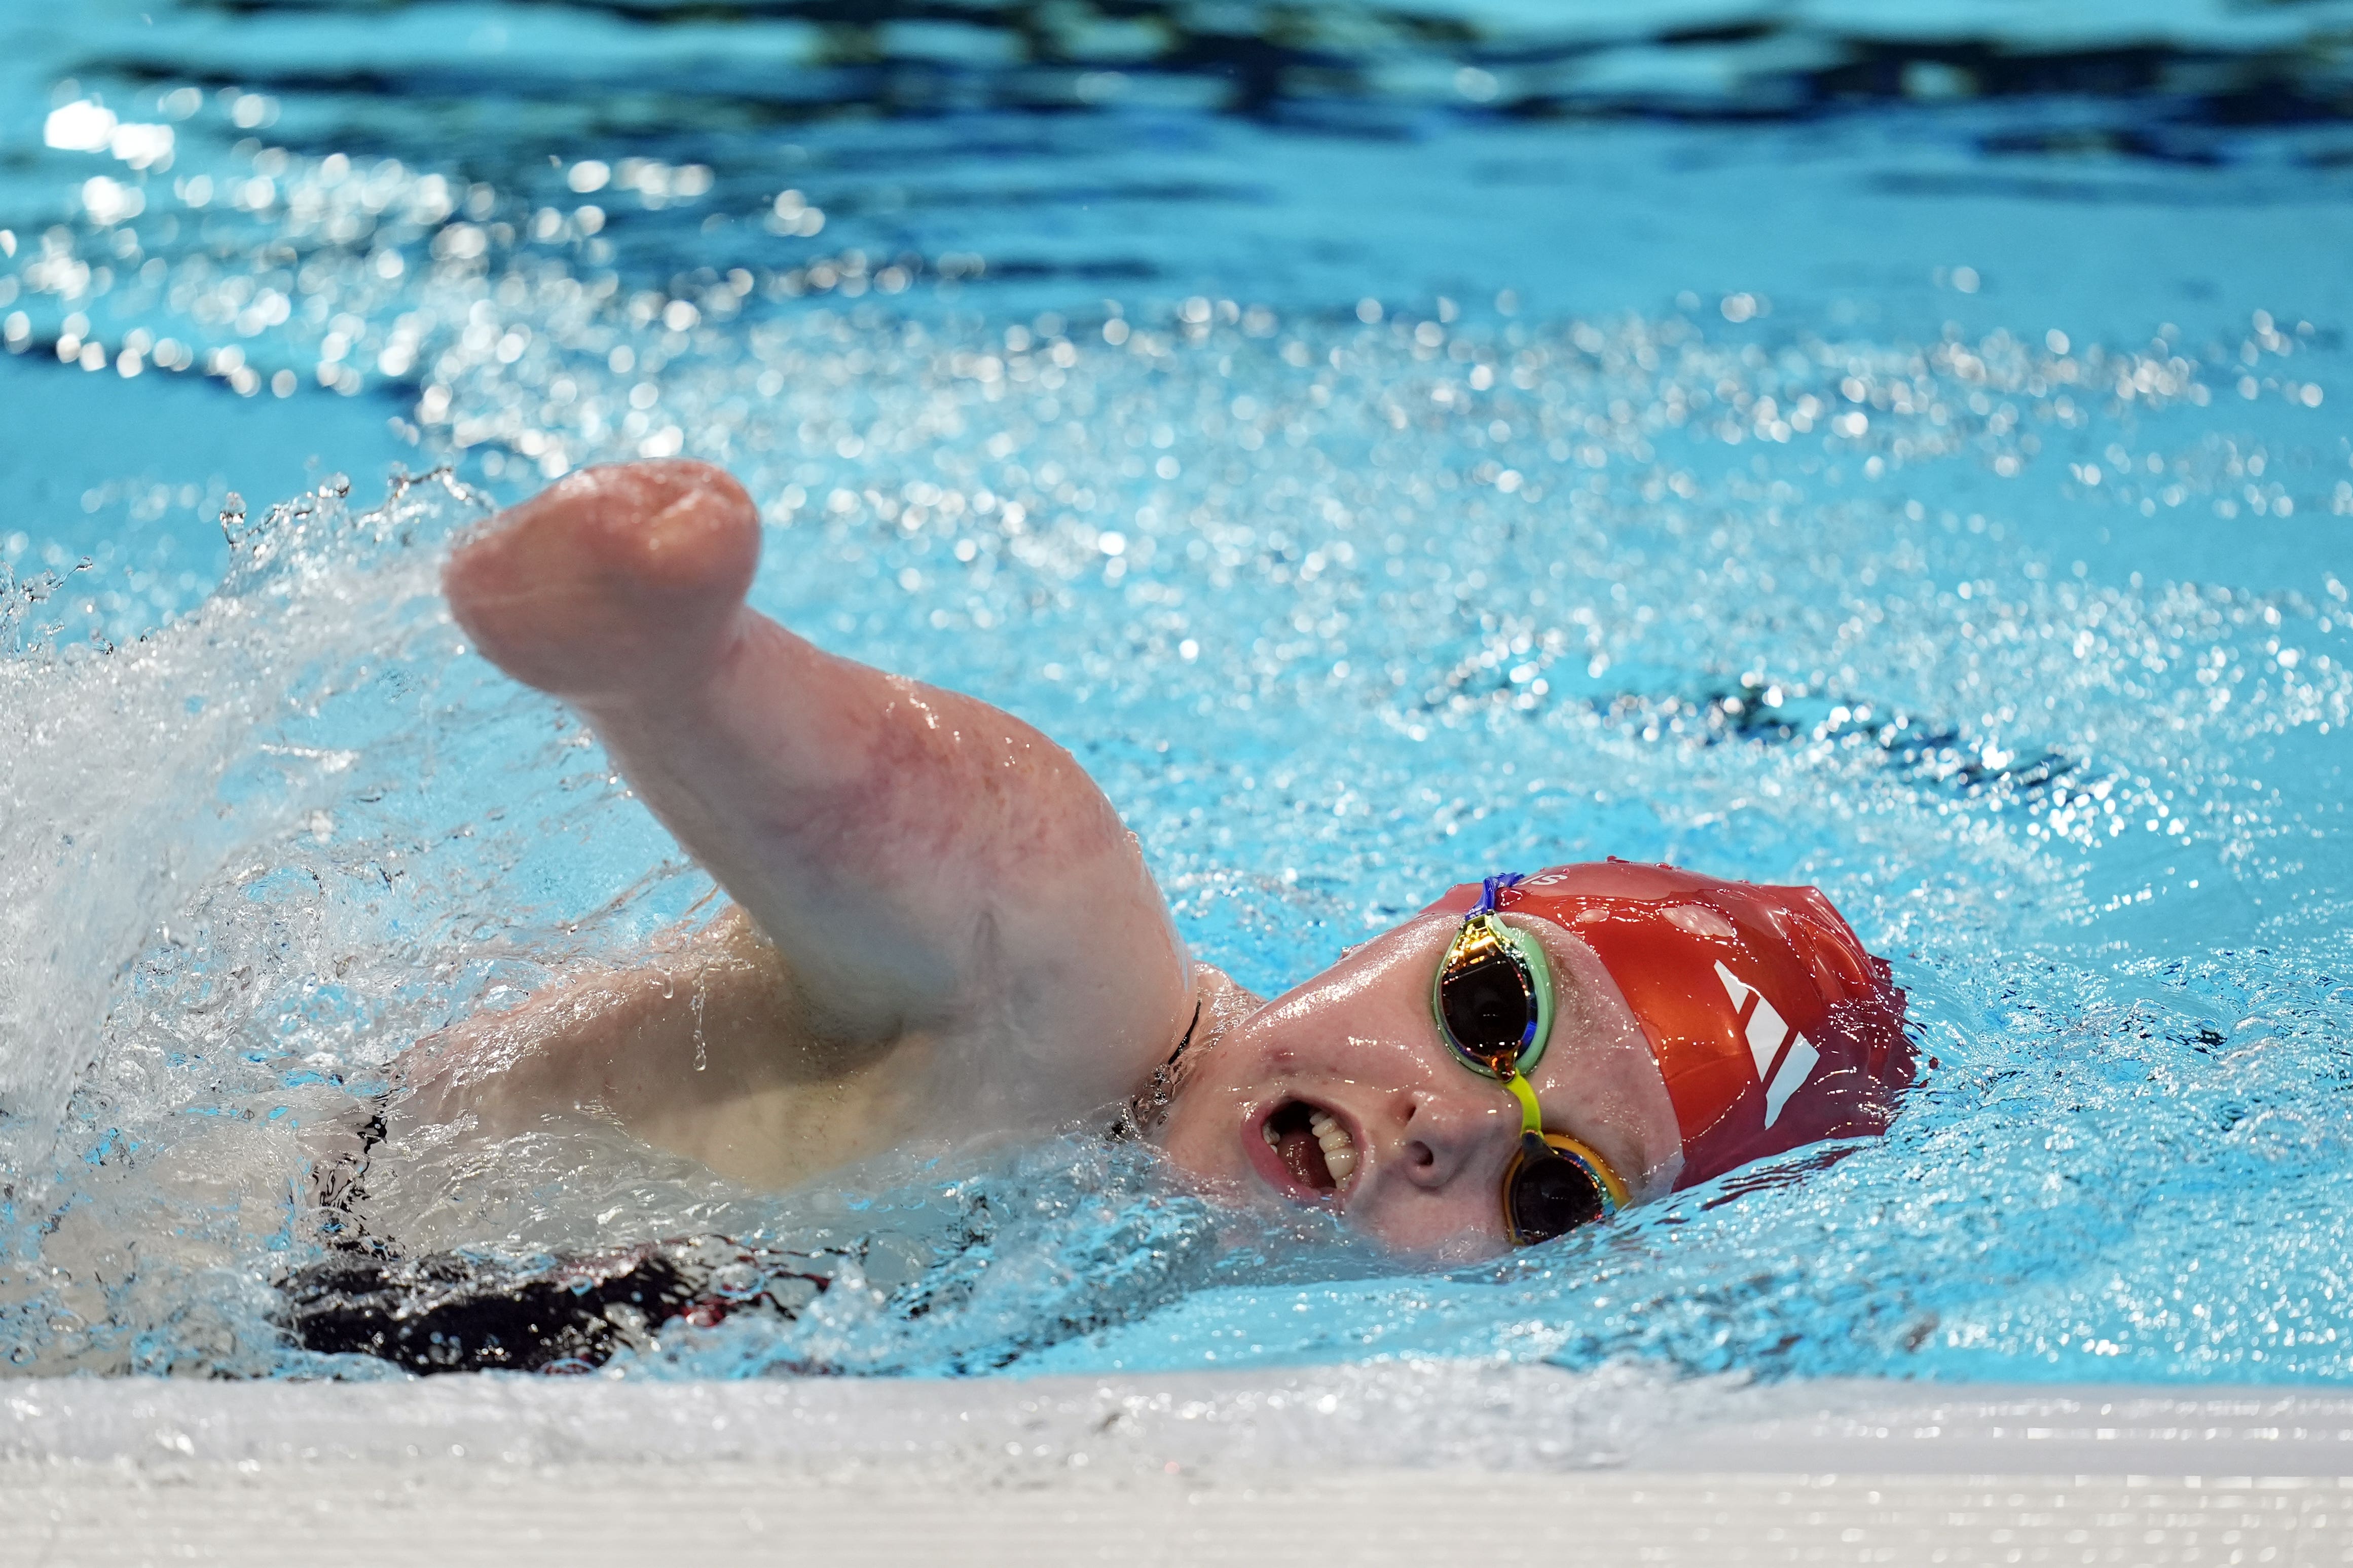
x=1770 y=1024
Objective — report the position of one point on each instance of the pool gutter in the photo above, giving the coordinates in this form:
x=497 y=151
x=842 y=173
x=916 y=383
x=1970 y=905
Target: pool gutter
x=1375 y=1464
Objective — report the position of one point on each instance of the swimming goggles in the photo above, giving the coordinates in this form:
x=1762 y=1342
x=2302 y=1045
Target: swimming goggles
x=1492 y=1000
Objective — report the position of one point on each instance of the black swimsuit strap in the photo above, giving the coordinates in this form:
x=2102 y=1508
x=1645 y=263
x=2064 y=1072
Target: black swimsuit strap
x=1148 y=1108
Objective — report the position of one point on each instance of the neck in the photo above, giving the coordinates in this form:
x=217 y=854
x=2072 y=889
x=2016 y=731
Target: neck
x=1148 y=1107
x=1219 y=1005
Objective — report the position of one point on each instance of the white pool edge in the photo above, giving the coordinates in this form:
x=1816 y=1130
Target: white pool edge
x=1407 y=1463
x=1406 y=1415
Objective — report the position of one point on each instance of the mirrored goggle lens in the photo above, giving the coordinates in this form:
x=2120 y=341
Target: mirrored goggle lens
x=1548 y=1193
x=1488 y=1006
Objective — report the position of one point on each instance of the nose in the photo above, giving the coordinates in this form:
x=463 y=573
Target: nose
x=1440 y=1135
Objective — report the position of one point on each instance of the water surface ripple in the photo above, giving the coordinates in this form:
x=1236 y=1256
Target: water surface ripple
x=1386 y=447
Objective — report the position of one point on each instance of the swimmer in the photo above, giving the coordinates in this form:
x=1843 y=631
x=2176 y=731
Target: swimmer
x=940 y=931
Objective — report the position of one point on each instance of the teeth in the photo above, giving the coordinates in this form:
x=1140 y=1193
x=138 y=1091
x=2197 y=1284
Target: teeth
x=1271 y=1140
x=1339 y=1149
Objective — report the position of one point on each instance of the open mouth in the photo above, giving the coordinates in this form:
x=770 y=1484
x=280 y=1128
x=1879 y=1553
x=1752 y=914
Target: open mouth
x=1313 y=1149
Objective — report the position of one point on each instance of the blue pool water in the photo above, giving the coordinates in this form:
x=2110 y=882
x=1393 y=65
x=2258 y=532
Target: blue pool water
x=1385 y=446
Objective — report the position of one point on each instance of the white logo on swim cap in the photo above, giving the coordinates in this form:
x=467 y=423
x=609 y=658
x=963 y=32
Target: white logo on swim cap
x=1768 y=1033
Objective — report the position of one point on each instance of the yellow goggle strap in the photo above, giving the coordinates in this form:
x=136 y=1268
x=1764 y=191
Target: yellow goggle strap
x=1531 y=1114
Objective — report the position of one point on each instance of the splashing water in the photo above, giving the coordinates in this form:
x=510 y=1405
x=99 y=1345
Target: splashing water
x=2032 y=651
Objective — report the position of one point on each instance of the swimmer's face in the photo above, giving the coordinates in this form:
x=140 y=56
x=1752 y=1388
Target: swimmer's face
x=1373 y=1115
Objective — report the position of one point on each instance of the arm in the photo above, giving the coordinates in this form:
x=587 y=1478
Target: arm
x=928 y=867
x=698 y=1049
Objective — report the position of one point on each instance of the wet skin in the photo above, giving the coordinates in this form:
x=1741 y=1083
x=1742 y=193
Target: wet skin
x=1432 y=1138
x=942 y=930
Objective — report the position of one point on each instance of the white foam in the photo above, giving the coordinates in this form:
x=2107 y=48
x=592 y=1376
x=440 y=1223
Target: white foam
x=133 y=774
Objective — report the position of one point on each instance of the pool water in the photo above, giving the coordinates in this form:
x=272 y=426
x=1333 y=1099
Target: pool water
x=1385 y=448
